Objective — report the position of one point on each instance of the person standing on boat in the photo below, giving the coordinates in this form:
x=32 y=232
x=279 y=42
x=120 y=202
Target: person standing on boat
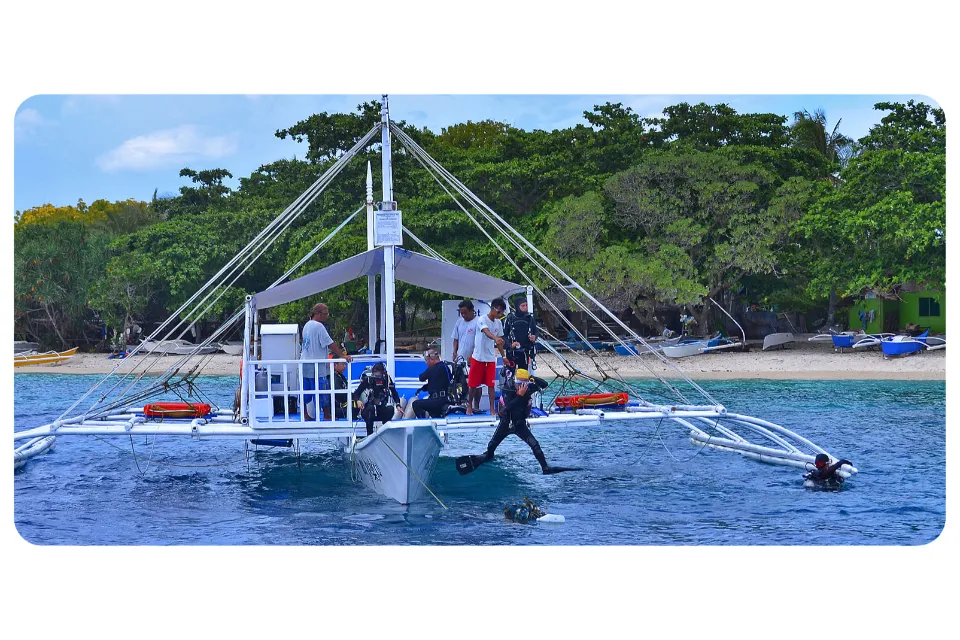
x=483 y=362
x=464 y=334
x=382 y=391
x=437 y=378
x=317 y=345
x=520 y=331
x=517 y=402
x=824 y=473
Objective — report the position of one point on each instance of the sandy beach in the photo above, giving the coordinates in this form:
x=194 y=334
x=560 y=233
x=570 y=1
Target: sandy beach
x=800 y=360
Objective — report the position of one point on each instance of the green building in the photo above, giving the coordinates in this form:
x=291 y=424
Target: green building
x=922 y=308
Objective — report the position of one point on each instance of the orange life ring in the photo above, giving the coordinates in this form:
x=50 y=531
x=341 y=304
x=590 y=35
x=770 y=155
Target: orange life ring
x=593 y=399
x=176 y=409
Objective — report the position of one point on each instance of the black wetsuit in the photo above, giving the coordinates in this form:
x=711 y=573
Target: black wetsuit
x=340 y=399
x=513 y=419
x=518 y=327
x=827 y=476
x=377 y=407
x=437 y=378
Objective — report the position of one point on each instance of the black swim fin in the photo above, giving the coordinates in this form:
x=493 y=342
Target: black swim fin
x=466 y=464
x=551 y=470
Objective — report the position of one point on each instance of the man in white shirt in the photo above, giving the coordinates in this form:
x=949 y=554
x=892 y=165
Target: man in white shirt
x=463 y=336
x=317 y=345
x=483 y=362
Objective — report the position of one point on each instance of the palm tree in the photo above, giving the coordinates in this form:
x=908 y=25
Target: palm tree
x=809 y=131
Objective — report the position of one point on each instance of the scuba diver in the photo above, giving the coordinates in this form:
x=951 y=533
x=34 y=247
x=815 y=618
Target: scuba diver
x=437 y=377
x=341 y=390
x=378 y=405
x=514 y=412
x=511 y=360
x=520 y=332
x=826 y=474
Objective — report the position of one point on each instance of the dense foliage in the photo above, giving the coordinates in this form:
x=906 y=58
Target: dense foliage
x=647 y=213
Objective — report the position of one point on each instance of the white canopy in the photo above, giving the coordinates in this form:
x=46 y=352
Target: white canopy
x=413 y=268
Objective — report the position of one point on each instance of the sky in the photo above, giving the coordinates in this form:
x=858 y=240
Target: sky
x=116 y=136
x=115 y=147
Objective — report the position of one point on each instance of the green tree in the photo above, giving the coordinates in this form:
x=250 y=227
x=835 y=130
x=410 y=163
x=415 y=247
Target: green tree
x=700 y=218
x=915 y=127
x=705 y=127
x=885 y=223
x=126 y=291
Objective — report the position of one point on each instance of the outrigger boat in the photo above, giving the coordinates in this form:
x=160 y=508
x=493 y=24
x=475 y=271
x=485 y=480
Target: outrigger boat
x=47 y=357
x=398 y=458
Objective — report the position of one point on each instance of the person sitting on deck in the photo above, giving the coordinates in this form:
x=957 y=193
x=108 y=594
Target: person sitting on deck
x=437 y=377
x=340 y=383
x=826 y=474
x=382 y=390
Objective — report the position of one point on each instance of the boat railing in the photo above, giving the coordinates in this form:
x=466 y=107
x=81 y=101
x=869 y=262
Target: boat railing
x=285 y=380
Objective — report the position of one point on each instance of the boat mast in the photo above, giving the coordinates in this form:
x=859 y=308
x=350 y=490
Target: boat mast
x=372 y=334
x=389 y=285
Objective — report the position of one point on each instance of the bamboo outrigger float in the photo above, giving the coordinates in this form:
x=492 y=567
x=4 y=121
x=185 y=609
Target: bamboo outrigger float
x=398 y=458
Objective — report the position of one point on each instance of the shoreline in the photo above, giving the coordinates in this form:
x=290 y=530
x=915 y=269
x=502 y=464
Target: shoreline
x=801 y=360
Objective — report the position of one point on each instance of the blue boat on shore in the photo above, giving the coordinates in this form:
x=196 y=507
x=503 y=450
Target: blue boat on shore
x=903 y=345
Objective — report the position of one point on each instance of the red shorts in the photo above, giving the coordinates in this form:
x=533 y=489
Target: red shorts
x=481 y=373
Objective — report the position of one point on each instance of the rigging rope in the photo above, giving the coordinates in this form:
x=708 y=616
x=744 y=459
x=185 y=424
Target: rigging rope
x=425 y=159
x=267 y=236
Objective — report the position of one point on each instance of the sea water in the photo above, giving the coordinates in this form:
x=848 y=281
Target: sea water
x=645 y=485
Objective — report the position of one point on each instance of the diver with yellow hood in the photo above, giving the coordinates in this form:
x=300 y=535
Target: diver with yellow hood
x=516 y=402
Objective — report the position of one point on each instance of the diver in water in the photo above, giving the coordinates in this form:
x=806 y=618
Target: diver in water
x=514 y=412
x=382 y=390
x=826 y=474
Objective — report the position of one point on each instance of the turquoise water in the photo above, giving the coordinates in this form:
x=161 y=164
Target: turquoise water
x=639 y=486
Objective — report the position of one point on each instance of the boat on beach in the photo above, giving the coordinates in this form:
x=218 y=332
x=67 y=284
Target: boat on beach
x=232 y=348
x=46 y=358
x=777 y=340
x=901 y=345
x=398 y=458
x=177 y=347
x=22 y=346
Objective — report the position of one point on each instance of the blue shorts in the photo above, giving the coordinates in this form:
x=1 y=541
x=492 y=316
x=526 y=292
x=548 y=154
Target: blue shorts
x=309 y=384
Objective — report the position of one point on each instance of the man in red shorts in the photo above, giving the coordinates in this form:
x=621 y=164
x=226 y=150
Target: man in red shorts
x=483 y=362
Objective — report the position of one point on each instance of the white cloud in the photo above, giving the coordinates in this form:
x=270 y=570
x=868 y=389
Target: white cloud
x=27 y=121
x=76 y=104
x=166 y=148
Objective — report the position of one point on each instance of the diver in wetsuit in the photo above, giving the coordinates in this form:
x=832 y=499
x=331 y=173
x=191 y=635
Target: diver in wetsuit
x=514 y=412
x=826 y=474
x=377 y=406
x=437 y=378
x=520 y=332
x=341 y=393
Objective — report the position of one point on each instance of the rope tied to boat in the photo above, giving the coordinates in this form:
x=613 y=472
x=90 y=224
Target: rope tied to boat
x=413 y=473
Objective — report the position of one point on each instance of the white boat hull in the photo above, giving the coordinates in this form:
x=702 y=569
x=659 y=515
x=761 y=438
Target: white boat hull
x=683 y=350
x=397 y=461
x=232 y=348
x=175 y=348
x=777 y=339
